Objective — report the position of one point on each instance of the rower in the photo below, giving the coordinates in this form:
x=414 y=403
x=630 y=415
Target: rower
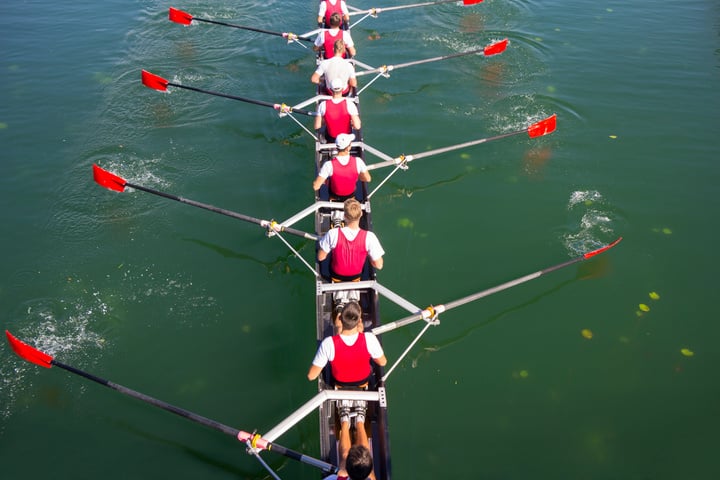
x=339 y=114
x=342 y=172
x=350 y=246
x=349 y=352
x=327 y=37
x=328 y=7
x=336 y=67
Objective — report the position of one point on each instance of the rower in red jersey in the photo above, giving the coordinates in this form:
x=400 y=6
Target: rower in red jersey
x=328 y=7
x=338 y=115
x=342 y=173
x=325 y=40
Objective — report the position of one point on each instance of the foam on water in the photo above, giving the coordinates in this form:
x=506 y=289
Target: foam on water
x=591 y=222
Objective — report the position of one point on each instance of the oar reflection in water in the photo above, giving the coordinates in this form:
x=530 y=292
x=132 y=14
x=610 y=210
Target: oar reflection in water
x=280 y=264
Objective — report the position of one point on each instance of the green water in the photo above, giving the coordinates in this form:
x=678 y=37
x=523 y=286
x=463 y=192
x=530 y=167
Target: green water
x=205 y=312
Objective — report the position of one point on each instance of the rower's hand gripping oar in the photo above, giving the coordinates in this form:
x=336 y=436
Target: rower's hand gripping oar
x=253 y=441
x=157 y=82
x=487 y=51
x=537 y=129
x=373 y=12
x=184 y=18
x=118 y=184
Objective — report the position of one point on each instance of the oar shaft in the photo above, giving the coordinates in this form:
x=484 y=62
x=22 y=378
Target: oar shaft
x=465 y=145
x=224 y=95
x=418 y=62
x=401 y=7
x=436 y=59
x=241 y=27
x=275 y=106
x=222 y=211
x=205 y=206
x=151 y=400
x=234 y=432
x=427 y=313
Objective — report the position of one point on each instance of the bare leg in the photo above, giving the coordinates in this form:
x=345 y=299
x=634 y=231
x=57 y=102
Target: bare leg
x=344 y=446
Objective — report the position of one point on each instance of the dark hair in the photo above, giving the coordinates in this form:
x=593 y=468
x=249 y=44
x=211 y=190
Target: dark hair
x=351 y=315
x=359 y=462
x=335 y=20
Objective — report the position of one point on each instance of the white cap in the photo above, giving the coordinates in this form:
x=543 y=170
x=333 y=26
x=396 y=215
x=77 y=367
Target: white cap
x=337 y=84
x=343 y=140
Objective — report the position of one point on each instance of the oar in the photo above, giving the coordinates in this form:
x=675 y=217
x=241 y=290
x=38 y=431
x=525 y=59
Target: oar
x=374 y=11
x=156 y=82
x=431 y=312
x=184 y=18
x=37 y=357
x=537 y=129
x=118 y=184
x=492 y=49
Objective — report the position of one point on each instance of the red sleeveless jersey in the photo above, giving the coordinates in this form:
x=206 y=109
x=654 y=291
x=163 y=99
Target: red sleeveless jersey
x=344 y=178
x=351 y=363
x=348 y=258
x=330 y=9
x=329 y=42
x=337 y=118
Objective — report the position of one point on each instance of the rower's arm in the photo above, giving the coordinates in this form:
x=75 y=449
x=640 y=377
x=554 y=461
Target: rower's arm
x=382 y=361
x=316 y=186
x=364 y=176
x=378 y=264
x=314 y=372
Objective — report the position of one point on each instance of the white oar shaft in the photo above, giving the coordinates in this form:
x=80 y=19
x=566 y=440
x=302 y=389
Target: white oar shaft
x=374 y=11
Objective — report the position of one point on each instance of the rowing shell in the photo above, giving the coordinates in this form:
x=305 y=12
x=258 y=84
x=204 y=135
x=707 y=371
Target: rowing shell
x=376 y=423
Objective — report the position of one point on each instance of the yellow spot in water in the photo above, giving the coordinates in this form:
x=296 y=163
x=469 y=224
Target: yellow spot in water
x=551 y=89
x=654 y=296
x=588 y=202
x=465 y=156
x=624 y=339
x=667 y=231
x=587 y=333
x=405 y=223
x=524 y=374
x=643 y=307
x=246 y=328
x=610 y=10
x=687 y=352
x=3 y=125
x=613 y=137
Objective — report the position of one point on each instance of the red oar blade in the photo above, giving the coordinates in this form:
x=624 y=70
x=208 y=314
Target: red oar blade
x=495 y=48
x=153 y=81
x=471 y=2
x=602 y=249
x=29 y=353
x=543 y=127
x=108 y=180
x=178 y=16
